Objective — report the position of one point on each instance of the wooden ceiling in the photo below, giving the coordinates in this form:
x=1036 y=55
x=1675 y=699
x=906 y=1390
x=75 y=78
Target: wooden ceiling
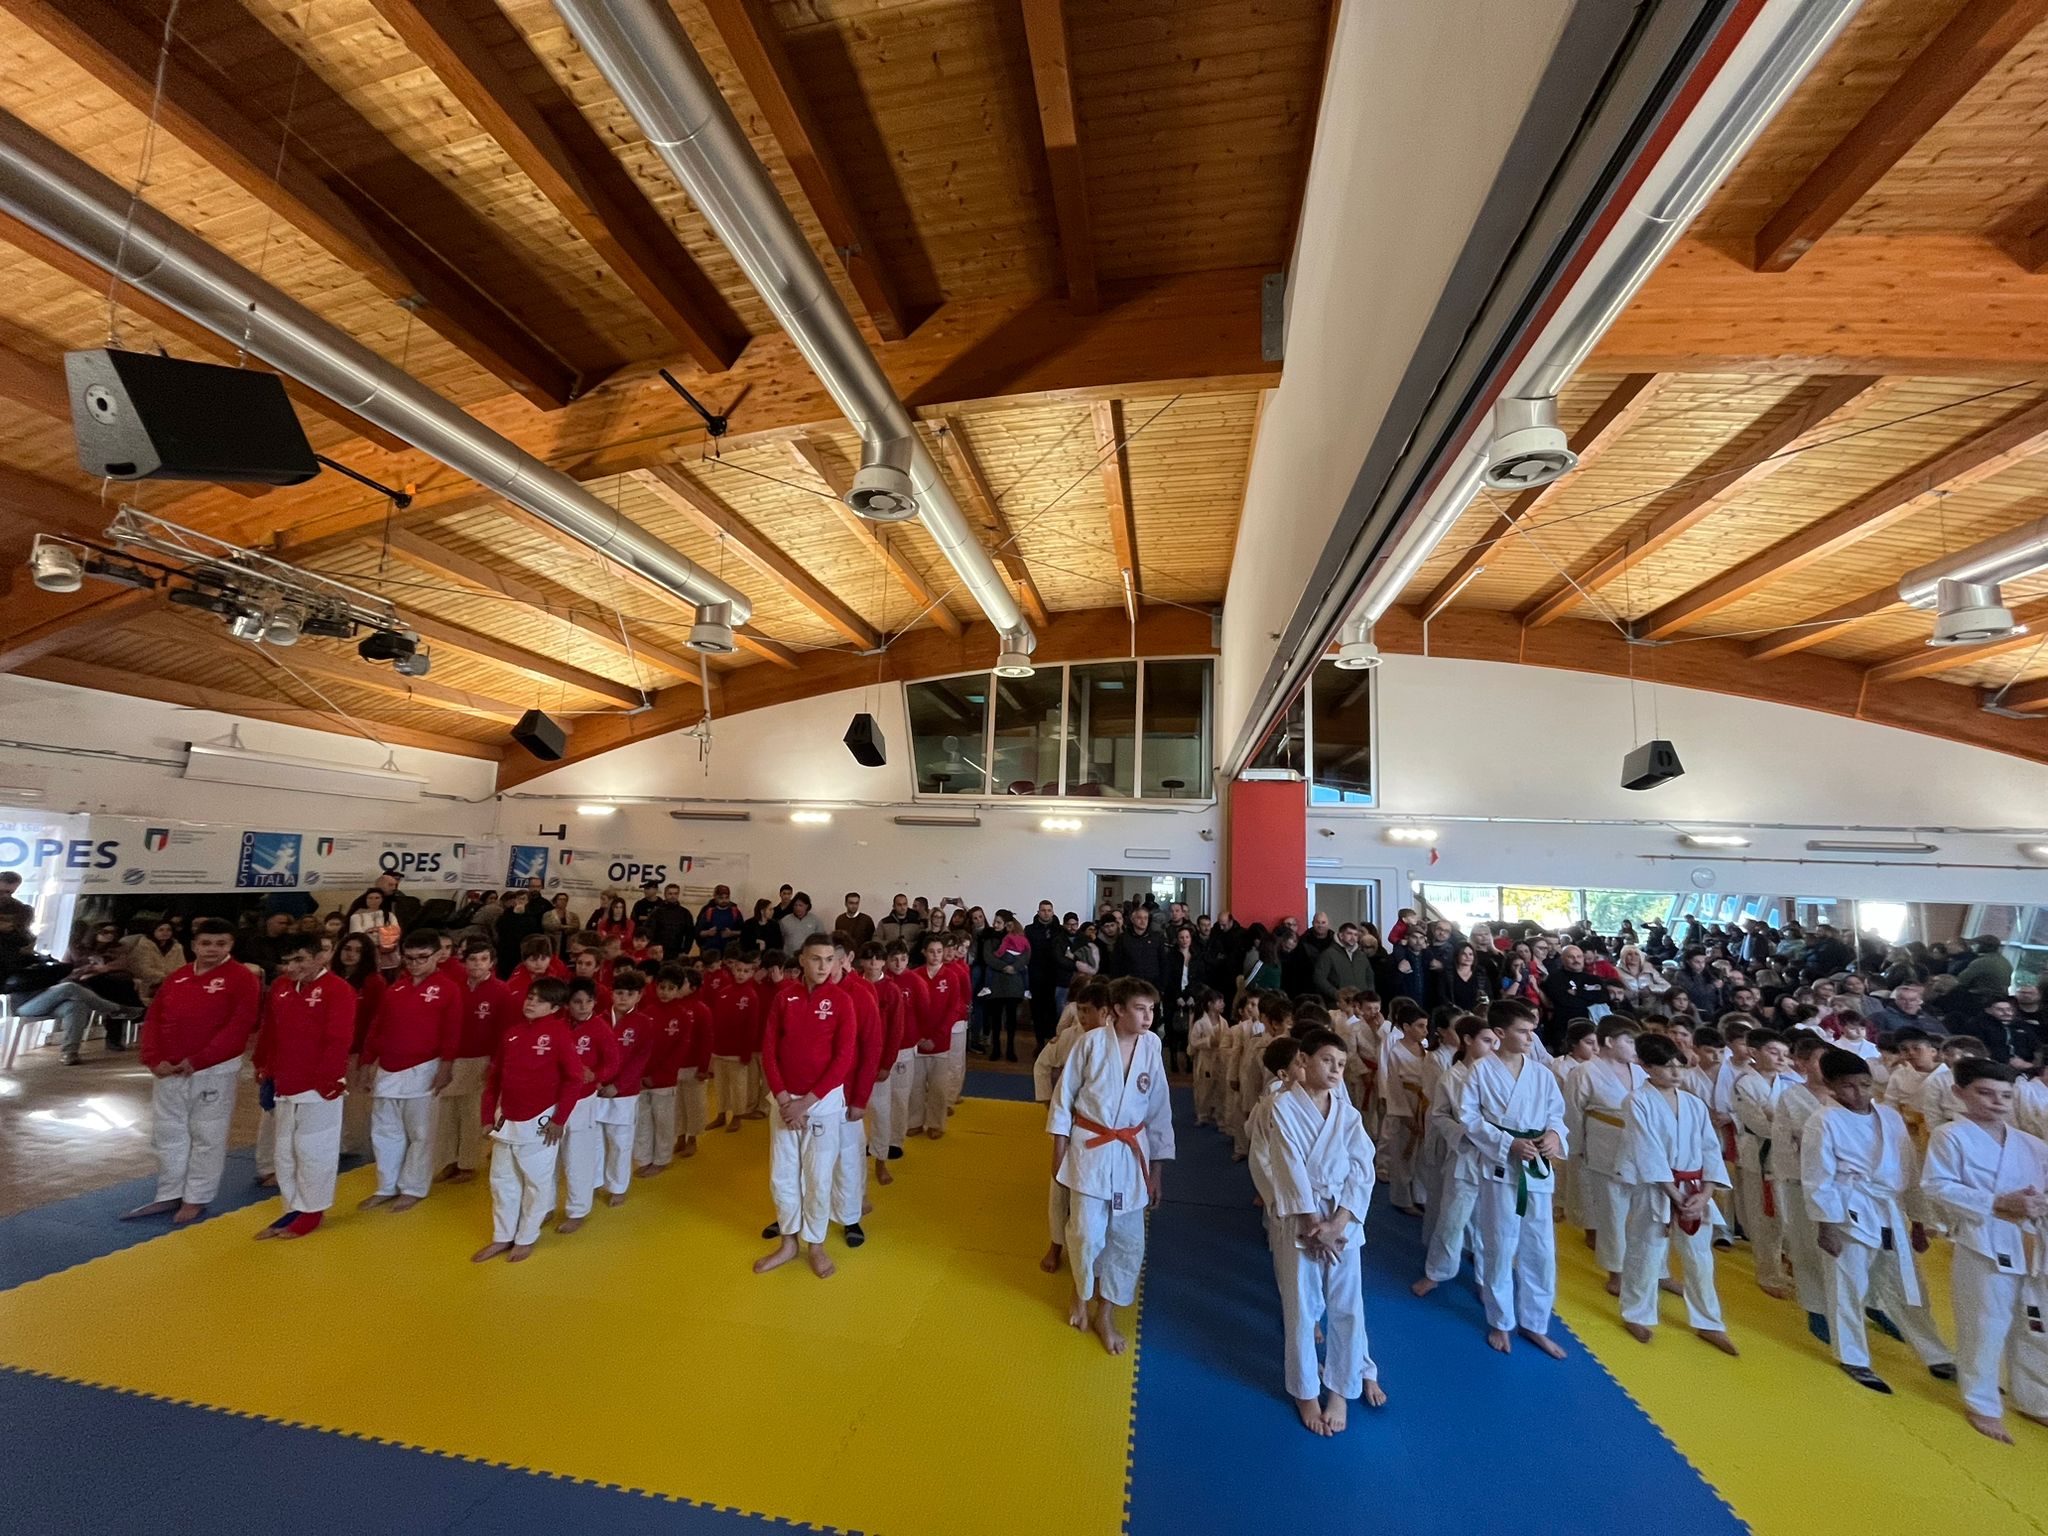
x=1839 y=375
x=1052 y=221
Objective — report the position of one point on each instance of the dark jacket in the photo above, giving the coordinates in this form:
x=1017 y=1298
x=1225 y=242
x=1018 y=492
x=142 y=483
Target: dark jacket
x=1048 y=943
x=671 y=926
x=1394 y=982
x=2002 y=1041
x=1449 y=990
x=1336 y=969
x=1571 y=994
x=1142 y=955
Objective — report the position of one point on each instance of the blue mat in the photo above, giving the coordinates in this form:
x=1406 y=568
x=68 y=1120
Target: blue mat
x=1218 y=1446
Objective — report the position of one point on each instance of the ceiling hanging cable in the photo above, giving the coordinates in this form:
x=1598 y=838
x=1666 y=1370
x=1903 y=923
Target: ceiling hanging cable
x=284 y=140
x=148 y=155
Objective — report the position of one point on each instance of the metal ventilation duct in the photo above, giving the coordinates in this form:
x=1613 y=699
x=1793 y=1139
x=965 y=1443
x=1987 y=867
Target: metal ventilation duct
x=61 y=196
x=640 y=47
x=2006 y=557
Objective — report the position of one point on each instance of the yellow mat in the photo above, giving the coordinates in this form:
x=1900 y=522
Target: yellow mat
x=1791 y=1443
x=930 y=1388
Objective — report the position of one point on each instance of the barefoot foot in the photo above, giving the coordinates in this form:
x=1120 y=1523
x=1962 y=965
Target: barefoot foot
x=1988 y=1427
x=405 y=1202
x=1670 y=1287
x=488 y=1252
x=1614 y=1285
x=1497 y=1338
x=1638 y=1332
x=882 y=1173
x=519 y=1253
x=1719 y=1340
x=1336 y=1412
x=776 y=1257
x=1311 y=1413
x=1077 y=1315
x=371 y=1202
x=1106 y=1329
x=569 y=1224
x=1375 y=1396
x=1544 y=1342
x=1422 y=1287
x=153 y=1208
x=186 y=1214
x=614 y=1200
x=821 y=1262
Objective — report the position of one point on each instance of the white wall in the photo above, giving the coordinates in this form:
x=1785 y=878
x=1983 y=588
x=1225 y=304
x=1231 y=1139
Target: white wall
x=1490 y=739
x=1420 y=105
x=772 y=760
x=52 y=715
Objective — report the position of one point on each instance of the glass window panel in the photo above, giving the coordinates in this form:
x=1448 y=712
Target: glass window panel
x=2037 y=930
x=2001 y=922
x=1607 y=910
x=948 y=725
x=1177 y=730
x=1547 y=905
x=1886 y=919
x=1286 y=747
x=1102 y=729
x=1027 y=749
x=1340 y=728
x=1463 y=904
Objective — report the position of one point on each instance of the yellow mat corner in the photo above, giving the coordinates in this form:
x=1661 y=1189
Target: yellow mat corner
x=927 y=1389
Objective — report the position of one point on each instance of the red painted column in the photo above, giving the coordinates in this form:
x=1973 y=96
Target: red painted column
x=1268 y=850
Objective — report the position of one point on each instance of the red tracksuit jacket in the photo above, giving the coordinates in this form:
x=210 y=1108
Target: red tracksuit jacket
x=535 y=1069
x=637 y=1033
x=486 y=1010
x=736 y=1021
x=596 y=1049
x=940 y=1004
x=417 y=1021
x=683 y=1041
x=306 y=1035
x=868 y=1040
x=205 y=1019
x=809 y=1044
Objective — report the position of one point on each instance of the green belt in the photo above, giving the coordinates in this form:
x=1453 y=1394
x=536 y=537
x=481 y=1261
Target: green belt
x=1523 y=1174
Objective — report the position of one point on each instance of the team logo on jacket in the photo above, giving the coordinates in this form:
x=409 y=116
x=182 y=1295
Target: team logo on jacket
x=541 y=1043
x=218 y=984
x=824 y=1007
x=430 y=993
x=1144 y=1082
x=626 y=1036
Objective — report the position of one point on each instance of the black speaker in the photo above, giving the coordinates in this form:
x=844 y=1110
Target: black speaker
x=864 y=741
x=541 y=736
x=1651 y=764
x=137 y=416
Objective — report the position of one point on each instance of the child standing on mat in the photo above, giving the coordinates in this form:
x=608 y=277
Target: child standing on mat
x=533 y=1080
x=302 y=1054
x=1112 y=1128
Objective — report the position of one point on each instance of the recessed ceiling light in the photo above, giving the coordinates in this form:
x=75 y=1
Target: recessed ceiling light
x=2038 y=851
x=1411 y=834
x=1832 y=845
x=1713 y=840
x=810 y=818
x=597 y=810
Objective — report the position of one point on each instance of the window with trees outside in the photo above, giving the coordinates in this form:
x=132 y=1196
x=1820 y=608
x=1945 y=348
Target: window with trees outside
x=1327 y=737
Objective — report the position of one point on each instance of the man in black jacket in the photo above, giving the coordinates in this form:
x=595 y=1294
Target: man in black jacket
x=1048 y=941
x=1826 y=955
x=670 y=924
x=2006 y=1037
x=1572 y=990
x=1141 y=952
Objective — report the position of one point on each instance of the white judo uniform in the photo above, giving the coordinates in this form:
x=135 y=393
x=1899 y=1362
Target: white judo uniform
x=1668 y=1139
x=1596 y=1119
x=522 y=1179
x=1756 y=1103
x=1245 y=1074
x=1857 y=1170
x=1312 y=1161
x=1796 y=1107
x=1404 y=1113
x=1999 y=1278
x=1046 y=1067
x=1518 y=1257
x=1118 y=1122
x=1456 y=1196
x=1205 y=1036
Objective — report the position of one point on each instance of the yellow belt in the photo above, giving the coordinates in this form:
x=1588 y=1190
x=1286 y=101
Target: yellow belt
x=1606 y=1119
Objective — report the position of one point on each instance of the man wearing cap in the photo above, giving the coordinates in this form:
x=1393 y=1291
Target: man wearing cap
x=718 y=924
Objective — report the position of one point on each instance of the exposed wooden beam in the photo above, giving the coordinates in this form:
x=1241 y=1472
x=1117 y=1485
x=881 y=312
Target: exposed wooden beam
x=1920 y=306
x=1714 y=665
x=130 y=684
x=1809 y=633
x=754 y=38
x=1045 y=35
x=1621 y=410
x=926 y=653
x=39 y=624
x=34 y=504
x=982 y=505
x=1190 y=333
x=544 y=668
x=1997 y=448
x=804 y=452
x=561 y=154
x=1922 y=660
x=2024 y=233
x=2028 y=698
x=1710 y=491
x=343 y=667
x=1962 y=53
x=456 y=566
x=31 y=242
x=694 y=501
x=1116 y=496
x=35 y=383
x=124 y=57
x=612 y=571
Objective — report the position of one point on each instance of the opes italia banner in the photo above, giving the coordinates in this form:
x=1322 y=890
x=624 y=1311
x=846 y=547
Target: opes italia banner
x=87 y=854
x=589 y=872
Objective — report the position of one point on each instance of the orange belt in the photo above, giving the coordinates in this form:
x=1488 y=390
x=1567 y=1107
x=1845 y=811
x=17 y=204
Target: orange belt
x=1131 y=1136
x=1689 y=1181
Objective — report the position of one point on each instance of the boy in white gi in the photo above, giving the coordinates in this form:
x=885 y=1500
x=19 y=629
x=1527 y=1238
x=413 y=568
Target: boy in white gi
x=1918 y=1058
x=1247 y=1039
x=528 y=1092
x=1112 y=1127
x=1581 y=1045
x=1318 y=1165
x=1756 y=1102
x=1404 y=1109
x=1797 y=1106
x=1513 y=1116
x=1085 y=1005
x=198 y=1025
x=1205 y=1036
x=1858 y=1164
x=303 y=1054
x=1988 y=1180
x=1595 y=1119
x=1456 y=1195
x=1670 y=1163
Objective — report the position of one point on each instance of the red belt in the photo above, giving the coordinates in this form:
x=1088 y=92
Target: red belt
x=1689 y=1182
x=1131 y=1136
